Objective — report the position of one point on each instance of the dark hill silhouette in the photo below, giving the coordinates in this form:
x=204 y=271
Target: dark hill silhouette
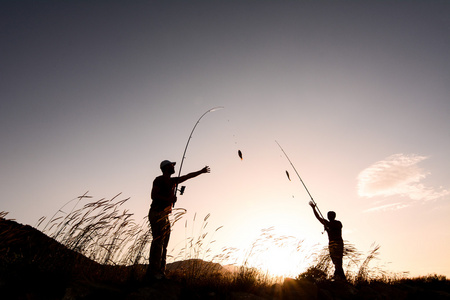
x=31 y=263
x=196 y=264
x=27 y=245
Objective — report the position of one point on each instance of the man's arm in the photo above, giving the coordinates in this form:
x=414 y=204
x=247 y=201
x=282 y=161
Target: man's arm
x=193 y=174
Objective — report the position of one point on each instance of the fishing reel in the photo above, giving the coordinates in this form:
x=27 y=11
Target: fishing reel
x=181 y=190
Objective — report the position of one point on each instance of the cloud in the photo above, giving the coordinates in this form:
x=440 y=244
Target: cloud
x=397 y=174
x=386 y=207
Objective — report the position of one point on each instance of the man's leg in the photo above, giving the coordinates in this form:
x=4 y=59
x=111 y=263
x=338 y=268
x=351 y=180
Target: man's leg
x=156 y=248
x=165 y=243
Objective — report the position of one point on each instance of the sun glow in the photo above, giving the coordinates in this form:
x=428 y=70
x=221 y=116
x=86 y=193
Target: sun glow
x=281 y=261
x=277 y=255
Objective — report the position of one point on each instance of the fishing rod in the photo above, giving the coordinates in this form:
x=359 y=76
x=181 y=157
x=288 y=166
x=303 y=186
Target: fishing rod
x=187 y=144
x=312 y=200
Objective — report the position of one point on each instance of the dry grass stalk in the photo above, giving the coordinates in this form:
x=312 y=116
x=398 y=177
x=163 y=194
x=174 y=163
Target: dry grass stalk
x=356 y=265
x=99 y=230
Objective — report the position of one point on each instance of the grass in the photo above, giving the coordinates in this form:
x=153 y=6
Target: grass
x=356 y=265
x=100 y=230
x=106 y=233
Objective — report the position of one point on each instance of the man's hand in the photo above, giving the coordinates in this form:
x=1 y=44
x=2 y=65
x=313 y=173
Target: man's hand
x=312 y=204
x=205 y=170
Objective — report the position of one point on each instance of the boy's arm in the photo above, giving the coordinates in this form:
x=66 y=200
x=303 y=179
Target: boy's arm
x=321 y=220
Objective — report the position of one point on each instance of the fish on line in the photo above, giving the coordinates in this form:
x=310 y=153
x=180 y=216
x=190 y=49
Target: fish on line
x=287 y=174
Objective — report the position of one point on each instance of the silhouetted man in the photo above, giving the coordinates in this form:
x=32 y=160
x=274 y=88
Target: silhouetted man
x=335 y=243
x=163 y=198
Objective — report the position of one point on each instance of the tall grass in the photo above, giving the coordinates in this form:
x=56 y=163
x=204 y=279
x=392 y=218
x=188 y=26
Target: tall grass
x=201 y=267
x=356 y=265
x=197 y=244
x=99 y=230
x=105 y=232
x=3 y=214
x=271 y=250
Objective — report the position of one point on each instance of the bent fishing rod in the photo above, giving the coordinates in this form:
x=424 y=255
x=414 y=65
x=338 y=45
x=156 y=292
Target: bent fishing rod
x=312 y=200
x=187 y=144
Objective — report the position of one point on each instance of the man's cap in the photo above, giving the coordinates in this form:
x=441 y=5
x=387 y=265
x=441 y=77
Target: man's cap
x=166 y=163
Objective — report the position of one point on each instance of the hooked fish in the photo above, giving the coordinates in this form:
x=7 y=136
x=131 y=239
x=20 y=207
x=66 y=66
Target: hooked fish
x=240 y=154
x=287 y=174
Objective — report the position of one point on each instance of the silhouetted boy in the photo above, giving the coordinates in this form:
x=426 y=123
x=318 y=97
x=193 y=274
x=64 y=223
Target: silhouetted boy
x=335 y=243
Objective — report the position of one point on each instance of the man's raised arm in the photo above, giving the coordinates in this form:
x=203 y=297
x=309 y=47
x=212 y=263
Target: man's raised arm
x=194 y=174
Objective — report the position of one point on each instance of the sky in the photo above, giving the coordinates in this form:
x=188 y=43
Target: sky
x=95 y=94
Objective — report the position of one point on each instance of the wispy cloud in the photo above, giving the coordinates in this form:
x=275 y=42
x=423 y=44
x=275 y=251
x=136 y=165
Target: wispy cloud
x=386 y=207
x=397 y=174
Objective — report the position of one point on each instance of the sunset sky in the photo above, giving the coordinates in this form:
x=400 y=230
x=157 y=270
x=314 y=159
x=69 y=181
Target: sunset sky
x=95 y=94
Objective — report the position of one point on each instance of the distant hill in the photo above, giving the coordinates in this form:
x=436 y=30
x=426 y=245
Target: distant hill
x=196 y=264
x=31 y=263
x=23 y=244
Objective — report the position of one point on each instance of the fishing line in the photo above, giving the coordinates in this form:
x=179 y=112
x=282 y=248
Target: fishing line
x=300 y=179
